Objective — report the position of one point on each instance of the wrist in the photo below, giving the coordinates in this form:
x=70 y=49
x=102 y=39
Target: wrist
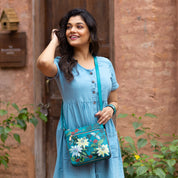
x=113 y=107
x=54 y=42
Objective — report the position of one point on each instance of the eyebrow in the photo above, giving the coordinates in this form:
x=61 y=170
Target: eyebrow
x=78 y=23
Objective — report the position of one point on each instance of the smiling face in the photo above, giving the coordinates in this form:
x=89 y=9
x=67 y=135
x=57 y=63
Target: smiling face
x=77 y=32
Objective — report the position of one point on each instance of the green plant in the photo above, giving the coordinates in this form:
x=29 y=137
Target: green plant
x=13 y=121
x=161 y=162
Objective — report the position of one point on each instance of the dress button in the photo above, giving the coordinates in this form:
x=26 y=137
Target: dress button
x=91 y=73
x=93 y=81
x=94 y=102
x=93 y=92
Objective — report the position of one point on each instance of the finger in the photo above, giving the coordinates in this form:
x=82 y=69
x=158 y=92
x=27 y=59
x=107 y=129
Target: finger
x=103 y=118
x=54 y=30
x=102 y=115
x=105 y=121
x=53 y=33
x=98 y=114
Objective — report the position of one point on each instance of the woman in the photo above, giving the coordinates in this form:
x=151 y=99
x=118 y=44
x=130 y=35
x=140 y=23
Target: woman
x=75 y=75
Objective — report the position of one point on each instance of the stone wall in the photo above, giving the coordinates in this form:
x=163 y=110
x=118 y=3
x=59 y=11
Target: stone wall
x=17 y=86
x=146 y=62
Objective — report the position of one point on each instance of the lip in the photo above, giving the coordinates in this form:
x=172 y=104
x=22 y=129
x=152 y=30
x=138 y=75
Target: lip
x=73 y=37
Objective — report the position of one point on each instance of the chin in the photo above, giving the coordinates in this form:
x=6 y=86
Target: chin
x=76 y=44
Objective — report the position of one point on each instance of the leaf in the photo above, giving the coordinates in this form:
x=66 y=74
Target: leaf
x=22 y=124
x=171 y=162
x=136 y=125
x=100 y=142
x=34 y=121
x=151 y=161
x=159 y=172
x=175 y=142
x=125 y=164
x=7 y=130
x=137 y=164
x=171 y=170
x=93 y=145
x=15 y=106
x=72 y=159
x=158 y=156
x=141 y=143
x=173 y=148
x=17 y=137
x=82 y=159
x=1 y=130
x=141 y=170
x=4 y=162
x=139 y=132
x=164 y=149
x=153 y=142
x=150 y=115
x=130 y=170
x=42 y=116
x=152 y=176
x=3 y=112
x=140 y=118
x=24 y=111
x=129 y=140
x=3 y=137
x=122 y=115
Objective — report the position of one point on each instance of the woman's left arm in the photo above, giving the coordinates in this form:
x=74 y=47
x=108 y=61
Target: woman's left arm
x=106 y=114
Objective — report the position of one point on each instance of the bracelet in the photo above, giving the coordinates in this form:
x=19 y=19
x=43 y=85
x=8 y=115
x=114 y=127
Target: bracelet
x=113 y=107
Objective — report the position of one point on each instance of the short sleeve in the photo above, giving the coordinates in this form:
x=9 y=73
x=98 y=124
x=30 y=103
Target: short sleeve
x=56 y=62
x=115 y=84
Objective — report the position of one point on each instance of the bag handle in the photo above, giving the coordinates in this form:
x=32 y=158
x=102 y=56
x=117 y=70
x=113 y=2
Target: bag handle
x=99 y=93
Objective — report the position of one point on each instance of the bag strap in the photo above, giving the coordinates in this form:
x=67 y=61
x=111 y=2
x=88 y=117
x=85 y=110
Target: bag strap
x=63 y=123
x=99 y=93
x=98 y=83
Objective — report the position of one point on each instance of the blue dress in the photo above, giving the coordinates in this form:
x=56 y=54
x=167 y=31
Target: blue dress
x=80 y=104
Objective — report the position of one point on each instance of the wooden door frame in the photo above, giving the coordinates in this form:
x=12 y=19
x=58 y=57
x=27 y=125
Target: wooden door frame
x=38 y=19
x=38 y=23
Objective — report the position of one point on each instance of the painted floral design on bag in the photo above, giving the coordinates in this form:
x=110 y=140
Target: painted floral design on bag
x=87 y=144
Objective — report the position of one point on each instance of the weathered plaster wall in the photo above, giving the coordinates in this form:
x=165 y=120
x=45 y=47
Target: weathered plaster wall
x=146 y=62
x=17 y=86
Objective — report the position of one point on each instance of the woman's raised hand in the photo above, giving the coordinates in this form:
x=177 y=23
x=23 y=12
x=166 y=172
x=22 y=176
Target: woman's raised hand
x=54 y=37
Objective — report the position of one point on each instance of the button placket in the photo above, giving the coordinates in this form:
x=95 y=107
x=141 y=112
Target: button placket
x=93 y=82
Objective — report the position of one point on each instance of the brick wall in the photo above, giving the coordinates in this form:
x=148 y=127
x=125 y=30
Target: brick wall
x=17 y=86
x=146 y=62
x=146 y=67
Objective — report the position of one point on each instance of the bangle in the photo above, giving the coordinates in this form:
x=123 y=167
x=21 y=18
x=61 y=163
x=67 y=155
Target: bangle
x=113 y=107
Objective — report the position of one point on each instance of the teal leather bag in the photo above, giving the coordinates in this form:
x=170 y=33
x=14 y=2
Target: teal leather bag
x=87 y=144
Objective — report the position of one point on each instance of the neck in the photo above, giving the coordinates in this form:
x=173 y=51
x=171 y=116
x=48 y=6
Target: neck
x=82 y=54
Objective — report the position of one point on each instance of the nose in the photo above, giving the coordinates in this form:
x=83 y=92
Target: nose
x=73 y=29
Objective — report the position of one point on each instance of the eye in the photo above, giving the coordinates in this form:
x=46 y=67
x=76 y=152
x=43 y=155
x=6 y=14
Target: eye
x=69 y=27
x=79 y=26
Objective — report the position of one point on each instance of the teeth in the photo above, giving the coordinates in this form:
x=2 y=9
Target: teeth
x=73 y=37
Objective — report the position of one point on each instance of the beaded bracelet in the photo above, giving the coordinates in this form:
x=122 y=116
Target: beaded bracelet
x=113 y=107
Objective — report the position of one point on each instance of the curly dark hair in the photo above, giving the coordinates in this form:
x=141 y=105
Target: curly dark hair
x=67 y=62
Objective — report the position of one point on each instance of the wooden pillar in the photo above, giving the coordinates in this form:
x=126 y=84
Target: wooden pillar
x=38 y=12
